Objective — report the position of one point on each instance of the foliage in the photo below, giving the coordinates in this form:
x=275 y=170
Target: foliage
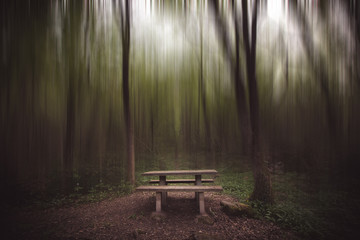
x=239 y=185
x=298 y=207
x=96 y=193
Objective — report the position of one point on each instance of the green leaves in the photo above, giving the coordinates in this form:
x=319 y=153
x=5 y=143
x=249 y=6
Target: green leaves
x=237 y=185
x=312 y=215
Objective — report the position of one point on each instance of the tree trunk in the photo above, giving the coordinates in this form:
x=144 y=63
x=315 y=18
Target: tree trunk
x=235 y=70
x=69 y=137
x=126 y=99
x=262 y=189
x=203 y=95
x=319 y=69
x=240 y=92
x=249 y=127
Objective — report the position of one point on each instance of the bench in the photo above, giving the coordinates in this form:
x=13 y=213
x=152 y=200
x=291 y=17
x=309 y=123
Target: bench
x=182 y=181
x=164 y=189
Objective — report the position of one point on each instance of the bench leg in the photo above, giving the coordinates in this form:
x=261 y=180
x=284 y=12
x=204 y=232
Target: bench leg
x=158 y=202
x=197 y=182
x=164 y=194
x=201 y=203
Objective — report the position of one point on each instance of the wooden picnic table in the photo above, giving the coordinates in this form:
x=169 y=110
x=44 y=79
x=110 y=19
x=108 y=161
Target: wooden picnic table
x=197 y=173
x=198 y=180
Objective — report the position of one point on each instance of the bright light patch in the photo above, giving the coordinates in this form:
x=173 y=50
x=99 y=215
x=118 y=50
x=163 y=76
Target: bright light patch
x=275 y=10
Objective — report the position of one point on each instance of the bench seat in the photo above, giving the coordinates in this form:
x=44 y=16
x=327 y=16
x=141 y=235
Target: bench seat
x=182 y=181
x=162 y=191
x=195 y=188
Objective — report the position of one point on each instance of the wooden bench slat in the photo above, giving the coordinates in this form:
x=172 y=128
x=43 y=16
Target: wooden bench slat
x=180 y=188
x=182 y=181
x=180 y=172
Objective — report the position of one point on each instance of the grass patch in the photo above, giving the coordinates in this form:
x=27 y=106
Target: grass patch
x=97 y=193
x=239 y=185
x=324 y=213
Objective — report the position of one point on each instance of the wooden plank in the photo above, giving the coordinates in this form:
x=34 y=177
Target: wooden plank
x=180 y=188
x=209 y=180
x=181 y=172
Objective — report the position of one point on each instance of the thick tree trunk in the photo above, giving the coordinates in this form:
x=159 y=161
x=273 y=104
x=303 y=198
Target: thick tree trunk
x=249 y=127
x=262 y=189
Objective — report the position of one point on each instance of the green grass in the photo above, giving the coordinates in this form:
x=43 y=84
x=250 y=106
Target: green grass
x=97 y=193
x=312 y=211
x=320 y=214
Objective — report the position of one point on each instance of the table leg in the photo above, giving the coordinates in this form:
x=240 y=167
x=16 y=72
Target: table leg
x=163 y=194
x=201 y=203
x=158 y=202
x=197 y=182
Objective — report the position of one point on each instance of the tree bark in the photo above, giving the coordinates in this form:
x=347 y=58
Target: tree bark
x=321 y=74
x=69 y=137
x=202 y=94
x=234 y=63
x=125 y=34
x=249 y=126
x=262 y=189
x=126 y=98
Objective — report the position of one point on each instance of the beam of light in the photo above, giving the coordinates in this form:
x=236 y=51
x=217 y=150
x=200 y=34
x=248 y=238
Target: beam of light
x=276 y=10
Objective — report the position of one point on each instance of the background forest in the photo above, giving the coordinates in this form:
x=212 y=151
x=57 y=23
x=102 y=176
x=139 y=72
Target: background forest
x=63 y=126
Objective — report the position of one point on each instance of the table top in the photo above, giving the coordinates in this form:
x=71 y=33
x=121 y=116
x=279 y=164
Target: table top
x=181 y=172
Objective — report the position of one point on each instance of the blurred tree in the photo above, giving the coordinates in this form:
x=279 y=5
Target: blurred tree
x=125 y=37
x=249 y=130
x=202 y=92
x=319 y=68
x=69 y=136
x=69 y=139
x=234 y=63
x=262 y=189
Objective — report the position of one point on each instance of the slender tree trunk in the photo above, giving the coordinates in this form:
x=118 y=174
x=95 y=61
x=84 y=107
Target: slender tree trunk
x=68 y=150
x=240 y=93
x=203 y=95
x=321 y=74
x=126 y=98
x=152 y=126
x=87 y=41
x=69 y=137
x=124 y=23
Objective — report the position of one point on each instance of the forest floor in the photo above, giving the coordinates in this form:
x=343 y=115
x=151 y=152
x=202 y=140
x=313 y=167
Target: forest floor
x=129 y=217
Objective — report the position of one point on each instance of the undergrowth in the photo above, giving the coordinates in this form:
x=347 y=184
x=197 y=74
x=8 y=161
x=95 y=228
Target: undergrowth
x=313 y=213
x=96 y=193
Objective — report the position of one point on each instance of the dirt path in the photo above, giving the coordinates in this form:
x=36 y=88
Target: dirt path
x=129 y=218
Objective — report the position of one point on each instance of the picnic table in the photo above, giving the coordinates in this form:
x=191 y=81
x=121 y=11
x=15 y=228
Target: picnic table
x=162 y=189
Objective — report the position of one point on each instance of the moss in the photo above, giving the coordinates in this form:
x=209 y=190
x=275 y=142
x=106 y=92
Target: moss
x=237 y=209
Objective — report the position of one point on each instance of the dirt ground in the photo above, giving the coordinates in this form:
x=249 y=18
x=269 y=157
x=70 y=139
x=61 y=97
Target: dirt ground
x=129 y=217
